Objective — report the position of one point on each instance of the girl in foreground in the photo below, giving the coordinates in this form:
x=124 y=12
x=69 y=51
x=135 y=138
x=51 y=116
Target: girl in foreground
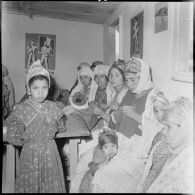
x=33 y=125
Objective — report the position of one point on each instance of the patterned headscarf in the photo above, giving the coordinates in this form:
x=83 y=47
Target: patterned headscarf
x=141 y=68
x=36 y=69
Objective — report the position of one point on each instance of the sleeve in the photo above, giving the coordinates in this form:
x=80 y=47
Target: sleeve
x=15 y=129
x=60 y=116
x=160 y=157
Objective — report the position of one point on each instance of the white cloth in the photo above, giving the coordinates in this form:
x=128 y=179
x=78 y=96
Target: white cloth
x=85 y=70
x=101 y=69
x=176 y=176
x=145 y=82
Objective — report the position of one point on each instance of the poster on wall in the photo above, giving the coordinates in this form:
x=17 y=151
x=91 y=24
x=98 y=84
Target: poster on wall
x=40 y=46
x=136 y=46
x=161 y=17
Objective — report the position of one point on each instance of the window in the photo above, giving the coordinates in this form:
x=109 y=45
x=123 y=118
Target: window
x=183 y=70
x=115 y=27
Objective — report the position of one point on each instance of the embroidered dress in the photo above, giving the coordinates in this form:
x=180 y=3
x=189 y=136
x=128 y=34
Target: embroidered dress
x=32 y=127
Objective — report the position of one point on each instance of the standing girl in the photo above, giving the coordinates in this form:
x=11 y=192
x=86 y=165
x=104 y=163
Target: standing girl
x=33 y=125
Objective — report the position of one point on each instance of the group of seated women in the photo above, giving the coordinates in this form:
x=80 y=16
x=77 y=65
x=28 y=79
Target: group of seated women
x=140 y=140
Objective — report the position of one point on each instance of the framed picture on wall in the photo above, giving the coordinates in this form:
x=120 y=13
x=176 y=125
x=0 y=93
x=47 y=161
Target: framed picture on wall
x=161 y=16
x=40 y=46
x=136 y=45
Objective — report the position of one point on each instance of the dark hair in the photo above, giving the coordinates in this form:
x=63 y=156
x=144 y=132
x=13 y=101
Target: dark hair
x=107 y=137
x=119 y=69
x=37 y=77
x=94 y=64
x=53 y=90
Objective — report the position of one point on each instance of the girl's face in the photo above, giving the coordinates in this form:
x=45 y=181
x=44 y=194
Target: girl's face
x=131 y=81
x=158 y=112
x=101 y=80
x=110 y=149
x=115 y=78
x=39 y=90
x=85 y=80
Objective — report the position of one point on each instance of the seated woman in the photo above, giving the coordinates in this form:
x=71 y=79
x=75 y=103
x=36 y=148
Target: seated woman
x=175 y=174
x=103 y=95
x=128 y=140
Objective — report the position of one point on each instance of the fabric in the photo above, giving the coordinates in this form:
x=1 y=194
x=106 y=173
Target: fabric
x=177 y=175
x=40 y=168
x=36 y=69
x=145 y=76
x=101 y=69
x=8 y=95
x=85 y=70
x=98 y=158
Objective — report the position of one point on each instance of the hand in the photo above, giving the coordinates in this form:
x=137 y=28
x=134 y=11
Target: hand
x=68 y=110
x=113 y=105
x=97 y=111
x=131 y=113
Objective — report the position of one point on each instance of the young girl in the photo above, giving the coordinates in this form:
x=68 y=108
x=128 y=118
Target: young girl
x=105 y=150
x=33 y=125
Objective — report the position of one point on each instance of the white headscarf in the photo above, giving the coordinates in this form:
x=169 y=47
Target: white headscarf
x=145 y=82
x=86 y=71
x=101 y=69
x=36 y=69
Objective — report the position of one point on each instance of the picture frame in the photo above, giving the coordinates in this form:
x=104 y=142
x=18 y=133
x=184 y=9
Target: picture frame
x=161 y=17
x=42 y=47
x=136 y=44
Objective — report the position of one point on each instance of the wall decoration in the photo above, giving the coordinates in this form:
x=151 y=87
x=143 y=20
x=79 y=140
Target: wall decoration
x=136 y=46
x=161 y=17
x=40 y=46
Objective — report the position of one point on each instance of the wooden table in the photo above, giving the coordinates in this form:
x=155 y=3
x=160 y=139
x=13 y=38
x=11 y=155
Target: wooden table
x=74 y=140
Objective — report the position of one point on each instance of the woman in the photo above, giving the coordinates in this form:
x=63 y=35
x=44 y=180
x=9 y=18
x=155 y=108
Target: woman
x=123 y=174
x=176 y=175
x=103 y=94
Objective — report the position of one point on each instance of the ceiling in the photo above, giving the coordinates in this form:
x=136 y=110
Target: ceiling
x=83 y=11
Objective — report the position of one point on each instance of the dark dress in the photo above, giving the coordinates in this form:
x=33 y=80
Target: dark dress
x=125 y=124
x=40 y=168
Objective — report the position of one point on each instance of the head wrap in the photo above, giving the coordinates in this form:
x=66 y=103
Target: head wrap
x=101 y=69
x=85 y=71
x=160 y=100
x=107 y=136
x=142 y=69
x=94 y=64
x=34 y=70
x=83 y=64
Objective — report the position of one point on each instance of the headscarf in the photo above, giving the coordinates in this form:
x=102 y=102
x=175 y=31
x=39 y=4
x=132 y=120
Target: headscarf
x=36 y=69
x=82 y=64
x=182 y=114
x=104 y=70
x=101 y=69
x=85 y=71
x=143 y=70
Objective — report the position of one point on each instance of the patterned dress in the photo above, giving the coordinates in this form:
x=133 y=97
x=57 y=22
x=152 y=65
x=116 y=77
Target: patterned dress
x=32 y=127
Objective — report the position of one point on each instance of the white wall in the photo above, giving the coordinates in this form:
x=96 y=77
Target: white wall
x=157 y=47
x=75 y=42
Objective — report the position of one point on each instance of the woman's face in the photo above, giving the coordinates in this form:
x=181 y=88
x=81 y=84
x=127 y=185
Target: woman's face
x=131 y=81
x=85 y=80
x=115 y=78
x=174 y=129
x=101 y=80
